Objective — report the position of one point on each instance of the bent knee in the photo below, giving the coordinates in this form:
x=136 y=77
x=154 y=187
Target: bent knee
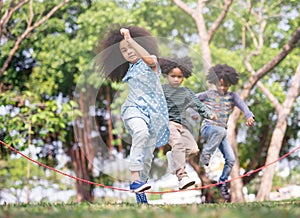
x=231 y=161
x=142 y=133
x=219 y=131
x=194 y=152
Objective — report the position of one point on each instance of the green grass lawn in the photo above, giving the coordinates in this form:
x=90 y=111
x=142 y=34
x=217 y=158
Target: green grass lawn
x=290 y=209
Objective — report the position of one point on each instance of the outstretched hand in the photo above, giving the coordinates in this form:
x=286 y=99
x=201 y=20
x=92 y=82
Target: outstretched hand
x=250 y=121
x=213 y=117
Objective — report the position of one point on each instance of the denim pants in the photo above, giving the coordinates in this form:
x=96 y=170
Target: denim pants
x=142 y=148
x=215 y=137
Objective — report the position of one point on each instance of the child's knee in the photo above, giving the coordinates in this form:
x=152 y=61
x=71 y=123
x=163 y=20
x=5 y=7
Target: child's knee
x=231 y=161
x=142 y=133
x=222 y=132
x=194 y=152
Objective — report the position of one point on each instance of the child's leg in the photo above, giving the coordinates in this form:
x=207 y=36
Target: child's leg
x=176 y=141
x=140 y=136
x=229 y=157
x=148 y=157
x=191 y=147
x=178 y=149
x=213 y=136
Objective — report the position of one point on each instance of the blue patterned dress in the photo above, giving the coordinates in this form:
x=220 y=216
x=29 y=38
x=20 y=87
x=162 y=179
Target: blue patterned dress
x=146 y=100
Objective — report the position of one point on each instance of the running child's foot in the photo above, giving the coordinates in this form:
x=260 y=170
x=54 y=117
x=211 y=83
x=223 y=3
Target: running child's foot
x=139 y=186
x=223 y=189
x=185 y=182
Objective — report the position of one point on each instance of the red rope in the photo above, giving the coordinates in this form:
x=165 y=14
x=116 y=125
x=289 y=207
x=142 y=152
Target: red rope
x=121 y=189
x=65 y=174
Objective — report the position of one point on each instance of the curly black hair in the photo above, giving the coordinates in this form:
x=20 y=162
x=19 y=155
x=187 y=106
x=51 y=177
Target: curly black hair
x=184 y=64
x=222 y=71
x=111 y=61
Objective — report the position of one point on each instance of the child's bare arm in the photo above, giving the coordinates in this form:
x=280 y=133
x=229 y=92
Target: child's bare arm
x=150 y=60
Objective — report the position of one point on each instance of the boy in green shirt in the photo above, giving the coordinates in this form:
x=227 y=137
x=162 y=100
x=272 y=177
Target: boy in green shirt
x=179 y=99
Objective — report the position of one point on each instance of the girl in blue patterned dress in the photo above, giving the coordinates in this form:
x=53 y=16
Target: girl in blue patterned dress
x=144 y=113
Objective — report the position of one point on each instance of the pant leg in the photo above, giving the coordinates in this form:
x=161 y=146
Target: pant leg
x=213 y=135
x=148 y=158
x=178 y=149
x=191 y=147
x=228 y=154
x=141 y=151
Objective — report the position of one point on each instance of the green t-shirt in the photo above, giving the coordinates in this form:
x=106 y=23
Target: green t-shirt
x=179 y=100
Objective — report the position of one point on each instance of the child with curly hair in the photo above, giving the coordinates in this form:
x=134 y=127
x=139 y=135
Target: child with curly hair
x=179 y=99
x=221 y=102
x=130 y=55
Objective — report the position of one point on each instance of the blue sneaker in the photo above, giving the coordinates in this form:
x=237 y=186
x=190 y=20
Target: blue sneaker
x=141 y=198
x=139 y=186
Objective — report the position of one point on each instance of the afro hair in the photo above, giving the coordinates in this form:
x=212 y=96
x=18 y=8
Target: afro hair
x=184 y=64
x=222 y=71
x=110 y=60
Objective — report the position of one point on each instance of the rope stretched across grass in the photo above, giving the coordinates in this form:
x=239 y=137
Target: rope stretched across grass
x=149 y=192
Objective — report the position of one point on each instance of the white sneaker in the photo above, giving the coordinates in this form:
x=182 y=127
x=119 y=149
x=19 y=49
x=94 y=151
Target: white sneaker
x=170 y=162
x=186 y=182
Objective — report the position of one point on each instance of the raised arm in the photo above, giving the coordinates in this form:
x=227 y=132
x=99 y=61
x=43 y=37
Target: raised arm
x=150 y=60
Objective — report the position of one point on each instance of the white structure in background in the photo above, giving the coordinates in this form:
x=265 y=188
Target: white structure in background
x=287 y=192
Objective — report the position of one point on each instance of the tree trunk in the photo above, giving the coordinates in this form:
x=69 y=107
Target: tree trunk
x=273 y=154
x=28 y=183
x=278 y=134
x=84 y=150
x=84 y=190
x=110 y=137
x=207 y=192
x=236 y=185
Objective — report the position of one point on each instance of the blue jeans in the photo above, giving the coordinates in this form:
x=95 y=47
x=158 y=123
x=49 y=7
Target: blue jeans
x=215 y=137
x=142 y=148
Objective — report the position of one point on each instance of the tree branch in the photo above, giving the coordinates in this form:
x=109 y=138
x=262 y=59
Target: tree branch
x=220 y=19
x=26 y=32
x=259 y=41
x=293 y=92
x=287 y=48
x=7 y=15
x=185 y=7
x=31 y=13
x=270 y=96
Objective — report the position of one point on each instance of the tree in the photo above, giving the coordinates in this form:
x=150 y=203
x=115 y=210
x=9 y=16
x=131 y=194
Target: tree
x=33 y=22
x=253 y=27
x=204 y=35
x=283 y=111
x=254 y=78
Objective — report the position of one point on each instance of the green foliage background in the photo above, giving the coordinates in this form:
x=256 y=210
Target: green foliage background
x=50 y=61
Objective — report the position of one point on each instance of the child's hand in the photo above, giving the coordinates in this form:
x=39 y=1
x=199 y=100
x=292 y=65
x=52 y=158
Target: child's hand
x=125 y=32
x=195 y=117
x=250 y=121
x=213 y=117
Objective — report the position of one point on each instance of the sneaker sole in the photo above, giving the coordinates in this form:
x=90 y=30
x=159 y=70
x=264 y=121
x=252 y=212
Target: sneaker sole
x=142 y=188
x=188 y=185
